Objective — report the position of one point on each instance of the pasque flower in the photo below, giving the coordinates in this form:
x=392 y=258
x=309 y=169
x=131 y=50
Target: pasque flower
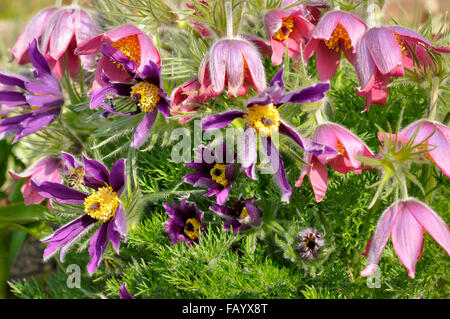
x=129 y=40
x=336 y=32
x=234 y=63
x=384 y=52
x=243 y=216
x=287 y=29
x=43 y=95
x=46 y=169
x=124 y=293
x=405 y=222
x=263 y=117
x=348 y=146
x=102 y=207
x=185 y=222
x=215 y=170
x=145 y=91
x=59 y=31
x=187 y=97
x=309 y=244
x=438 y=141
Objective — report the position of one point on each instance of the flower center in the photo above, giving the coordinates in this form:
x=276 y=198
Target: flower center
x=218 y=174
x=310 y=241
x=146 y=95
x=102 y=204
x=401 y=44
x=285 y=30
x=130 y=47
x=192 y=227
x=340 y=147
x=244 y=213
x=338 y=34
x=265 y=119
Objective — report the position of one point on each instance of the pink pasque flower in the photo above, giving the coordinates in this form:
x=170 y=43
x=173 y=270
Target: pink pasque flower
x=33 y=30
x=231 y=62
x=129 y=40
x=287 y=29
x=405 y=222
x=383 y=52
x=335 y=33
x=58 y=32
x=46 y=169
x=186 y=97
x=438 y=140
x=346 y=143
x=202 y=28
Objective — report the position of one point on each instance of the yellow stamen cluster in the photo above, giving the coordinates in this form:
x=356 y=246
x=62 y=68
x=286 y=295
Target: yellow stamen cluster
x=310 y=241
x=285 y=30
x=102 y=204
x=401 y=43
x=338 y=34
x=244 y=213
x=340 y=147
x=146 y=95
x=424 y=148
x=192 y=227
x=219 y=178
x=265 y=119
x=130 y=47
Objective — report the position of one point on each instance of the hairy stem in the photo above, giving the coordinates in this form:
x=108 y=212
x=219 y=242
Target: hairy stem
x=434 y=97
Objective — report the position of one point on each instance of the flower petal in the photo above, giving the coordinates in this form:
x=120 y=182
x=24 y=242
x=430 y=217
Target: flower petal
x=97 y=247
x=141 y=133
x=117 y=176
x=218 y=121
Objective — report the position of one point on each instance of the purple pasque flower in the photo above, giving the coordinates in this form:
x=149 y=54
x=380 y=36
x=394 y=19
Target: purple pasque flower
x=234 y=63
x=145 y=91
x=102 y=206
x=382 y=53
x=215 y=170
x=336 y=32
x=243 y=216
x=405 y=222
x=263 y=117
x=185 y=222
x=43 y=95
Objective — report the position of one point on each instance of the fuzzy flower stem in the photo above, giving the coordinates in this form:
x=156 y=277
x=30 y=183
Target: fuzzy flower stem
x=229 y=17
x=371 y=19
x=319 y=117
x=403 y=187
x=434 y=97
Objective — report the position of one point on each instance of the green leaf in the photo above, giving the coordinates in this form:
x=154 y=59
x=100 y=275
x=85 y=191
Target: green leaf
x=21 y=213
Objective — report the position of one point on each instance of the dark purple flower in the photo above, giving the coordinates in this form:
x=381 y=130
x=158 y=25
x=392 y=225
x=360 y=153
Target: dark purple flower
x=185 y=222
x=243 y=216
x=217 y=171
x=44 y=96
x=124 y=293
x=310 y=243
x=263 y=117
x=103 y=206
x=145 y=91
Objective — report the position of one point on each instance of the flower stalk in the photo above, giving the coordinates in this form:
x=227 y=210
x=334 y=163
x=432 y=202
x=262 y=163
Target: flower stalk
x=434 y=97
x=229 y=16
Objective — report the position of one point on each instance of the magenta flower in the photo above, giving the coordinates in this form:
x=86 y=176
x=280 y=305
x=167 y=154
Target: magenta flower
x=101 y=206
x=124 y=293
x=335 y=33
x=186 y=99
x=405 y=222
x=201 y=27
x=185 y=222
x=59 y=31
x=382 y=53
x=145 y=91
x=34 y=30
x=129 y=40
x=438 y=138
x=231 y=63
x=43 y=96
x=46 y=169
x=348 y=146
x=287 y=29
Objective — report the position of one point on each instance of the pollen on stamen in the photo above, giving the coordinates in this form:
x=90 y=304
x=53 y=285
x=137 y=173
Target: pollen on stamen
x=340 y=147
x=401 y=44
x=265 y=119
x=218 y=174
x=192 y=228
x=338 y=34
x=146 y=95
x=244 y=213
x=130 y=47
x=285 y=30
x=102 y=204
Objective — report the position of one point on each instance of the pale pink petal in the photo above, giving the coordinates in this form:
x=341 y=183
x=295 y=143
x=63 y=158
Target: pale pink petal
x=148 y=51
x=218 y=64
x=122 y=32
x=384 y=49
x=318 y=175
x=407 y=239
x=62 y=35
x=255 y=67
